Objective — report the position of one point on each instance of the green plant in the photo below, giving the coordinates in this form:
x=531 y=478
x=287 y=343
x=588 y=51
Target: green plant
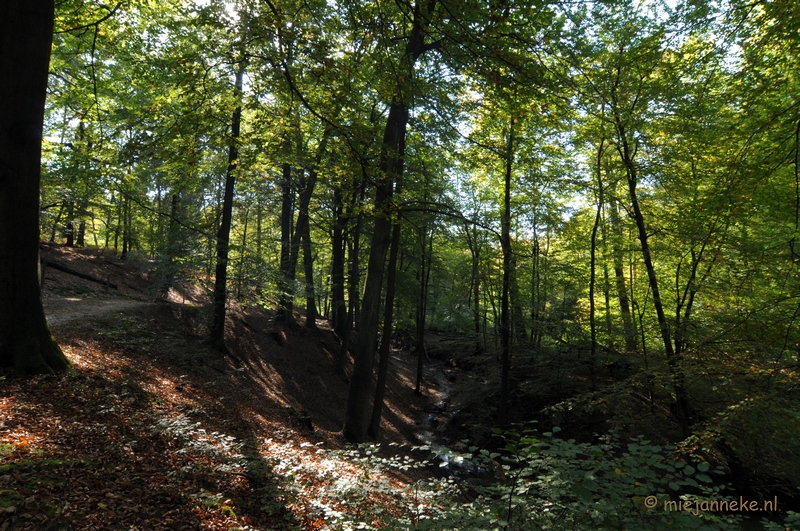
x=543 y=482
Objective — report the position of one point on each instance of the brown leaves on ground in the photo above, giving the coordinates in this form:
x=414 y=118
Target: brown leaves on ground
x=150 y=429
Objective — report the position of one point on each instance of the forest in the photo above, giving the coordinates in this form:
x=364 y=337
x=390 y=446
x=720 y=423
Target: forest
x=565 y=232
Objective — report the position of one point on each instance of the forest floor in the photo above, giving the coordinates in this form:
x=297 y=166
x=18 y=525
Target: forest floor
x=151 y=429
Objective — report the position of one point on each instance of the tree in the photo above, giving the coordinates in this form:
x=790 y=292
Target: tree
x=223 y=236
x=26 y=33
x=391 y=171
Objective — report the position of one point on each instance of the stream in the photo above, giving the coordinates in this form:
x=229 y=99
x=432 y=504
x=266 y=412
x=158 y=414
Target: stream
x=435 y=419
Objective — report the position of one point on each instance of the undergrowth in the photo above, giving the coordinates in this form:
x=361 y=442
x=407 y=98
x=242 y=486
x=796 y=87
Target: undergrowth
x=542 y=482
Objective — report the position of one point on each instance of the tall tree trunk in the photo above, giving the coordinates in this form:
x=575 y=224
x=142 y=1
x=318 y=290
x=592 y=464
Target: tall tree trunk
x=58 y=220
x=242 y=255
x=517 y=320
x=673 y=358
x=423 y=275
x=126 y=227
x=223 y=235
x=592 y=265
x=81 y=234
x=302 y=233
x=287 y=272
x=505 y=317
x=386 y=342
x=338 y=306
x=259 y=240
x=391 y=171
x=70 y=224
x=628 y=326
x=26 y=33
x=354 y=277
x=308 y=270
x=475 y=284
x=391 y=167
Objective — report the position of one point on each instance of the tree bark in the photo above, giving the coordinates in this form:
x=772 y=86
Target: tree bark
x=628 y=326
x=26 y=33
x=223 y=235
x=673 y=358
x=391 y=166
x=423 y=277
x=385 y=350
x=505 y=314
x=338 y=307
x=354 y=279
x=391 y=171
x=287 y=272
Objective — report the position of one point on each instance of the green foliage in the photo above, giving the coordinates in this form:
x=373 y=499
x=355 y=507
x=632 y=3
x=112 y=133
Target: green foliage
x=539 y=481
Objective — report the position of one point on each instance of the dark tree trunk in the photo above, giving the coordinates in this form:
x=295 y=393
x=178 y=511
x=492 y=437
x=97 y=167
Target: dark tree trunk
x=673 y=357
x=357 y=414
x=126 y=227
x=26 y=33
x=81 y=234
x=519 y=333
x=505 y=314
x=339 y=309
x=628 y=327
x=423 y=275
x=475 y=284
x=308 y=269
x=302 y=234
x=391 y=171
x=58 y=220
x=385 y=349
x=592 y=267
x=70 y=224
x=242 y=255
x=287 y=272
x=354 y=278
x=223 y=235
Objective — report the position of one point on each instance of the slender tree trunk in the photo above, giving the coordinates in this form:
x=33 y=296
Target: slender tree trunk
x=242 y=255
x=308 y=269
x=26 y=33
x=259 y=240
x=223 y=235
x=302 y=234
x=628 y=327
x=505 y=317
x=357 y=415
x=287 y=273
x=354 y=280
x=517 y=320
x=475 y=285
x=338 y=306
x=70 y=224
x=592 y=265
x=354 y=276
x=58 y=220
x=385 y=349
x=607 y=284
x=126 y=227
x=673 y=358
x=423 y=276
x=391 y=171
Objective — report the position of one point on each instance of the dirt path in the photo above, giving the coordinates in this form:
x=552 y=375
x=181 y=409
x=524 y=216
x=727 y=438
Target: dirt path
x=62 y=311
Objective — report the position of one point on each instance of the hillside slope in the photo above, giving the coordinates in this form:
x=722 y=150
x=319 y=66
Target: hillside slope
x=151 y=429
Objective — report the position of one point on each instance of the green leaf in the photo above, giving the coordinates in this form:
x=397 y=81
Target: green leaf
x=582 y=492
